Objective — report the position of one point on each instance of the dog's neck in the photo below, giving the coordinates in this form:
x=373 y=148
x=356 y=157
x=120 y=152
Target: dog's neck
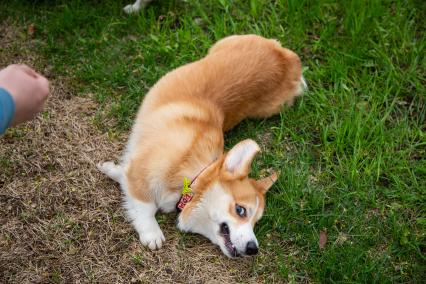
x=203 y=154
x=188 y=191
x=207 y=142
x=200 y=172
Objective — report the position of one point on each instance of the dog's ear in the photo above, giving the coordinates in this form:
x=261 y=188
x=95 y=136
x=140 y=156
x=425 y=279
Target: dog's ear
x=239 y=158
x=265 y=184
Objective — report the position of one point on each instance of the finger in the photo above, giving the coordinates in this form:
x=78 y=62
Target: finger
x=44 y=82
x=28 y=70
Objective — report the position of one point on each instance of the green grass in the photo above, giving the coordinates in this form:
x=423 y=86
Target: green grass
x=352 y=152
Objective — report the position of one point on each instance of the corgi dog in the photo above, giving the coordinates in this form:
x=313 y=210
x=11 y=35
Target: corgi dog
x=177 y=142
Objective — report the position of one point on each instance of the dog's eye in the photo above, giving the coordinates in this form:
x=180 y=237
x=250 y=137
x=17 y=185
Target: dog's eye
x=241 y=211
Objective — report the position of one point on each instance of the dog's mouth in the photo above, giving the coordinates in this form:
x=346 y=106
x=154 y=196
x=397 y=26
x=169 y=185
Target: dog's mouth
x=226 y=234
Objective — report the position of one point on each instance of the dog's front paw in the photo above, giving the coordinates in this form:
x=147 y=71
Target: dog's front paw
x=105 y=167
x=131 y=9
x=112 y=170
x=152 y=238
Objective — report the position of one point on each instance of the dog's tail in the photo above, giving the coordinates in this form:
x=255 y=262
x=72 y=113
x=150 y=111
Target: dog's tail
x=112 y=170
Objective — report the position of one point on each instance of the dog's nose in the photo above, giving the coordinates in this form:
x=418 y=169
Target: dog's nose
x=251 y=248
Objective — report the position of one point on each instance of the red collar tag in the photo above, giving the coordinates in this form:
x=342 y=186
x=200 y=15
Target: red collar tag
x=184 y=199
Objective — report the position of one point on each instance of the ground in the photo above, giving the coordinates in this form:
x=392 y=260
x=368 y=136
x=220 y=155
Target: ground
x=349 y=204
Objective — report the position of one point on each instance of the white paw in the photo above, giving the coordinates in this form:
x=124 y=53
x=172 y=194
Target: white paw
x=130 y=9
x=110 y=169
x=105 y=167
x=152 y=238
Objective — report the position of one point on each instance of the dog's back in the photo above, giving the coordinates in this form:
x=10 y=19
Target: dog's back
x=256 y=76
x=244 y=76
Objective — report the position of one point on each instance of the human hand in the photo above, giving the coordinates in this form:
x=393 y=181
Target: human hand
x=29 y=90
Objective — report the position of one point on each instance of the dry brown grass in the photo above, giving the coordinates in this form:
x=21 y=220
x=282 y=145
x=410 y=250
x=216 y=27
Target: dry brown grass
x=62 y=221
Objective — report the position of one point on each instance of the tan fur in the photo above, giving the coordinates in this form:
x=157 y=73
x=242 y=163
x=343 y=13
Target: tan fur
x=180 y=125
x=244 y=194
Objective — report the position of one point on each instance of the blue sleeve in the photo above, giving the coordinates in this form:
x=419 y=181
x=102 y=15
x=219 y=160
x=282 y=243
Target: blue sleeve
x=7 y=110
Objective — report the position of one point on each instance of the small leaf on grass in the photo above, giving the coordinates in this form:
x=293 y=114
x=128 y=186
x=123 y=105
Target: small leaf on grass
x=322 y=239
x=31 y=30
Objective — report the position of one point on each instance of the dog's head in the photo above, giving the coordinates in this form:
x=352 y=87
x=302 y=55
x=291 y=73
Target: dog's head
x=227 y=203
